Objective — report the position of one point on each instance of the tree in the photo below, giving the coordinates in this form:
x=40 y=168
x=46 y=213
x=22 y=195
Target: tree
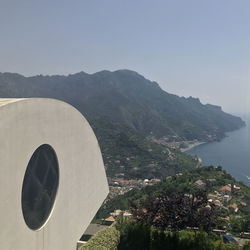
x=176 y=211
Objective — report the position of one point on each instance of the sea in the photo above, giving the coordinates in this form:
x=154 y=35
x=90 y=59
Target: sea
x=232 y=153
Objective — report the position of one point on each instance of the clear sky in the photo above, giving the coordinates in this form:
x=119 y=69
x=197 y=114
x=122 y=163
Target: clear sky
x=197 y=48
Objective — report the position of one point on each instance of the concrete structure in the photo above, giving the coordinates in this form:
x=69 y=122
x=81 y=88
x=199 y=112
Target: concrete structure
x=25 y=125
x=91 y=230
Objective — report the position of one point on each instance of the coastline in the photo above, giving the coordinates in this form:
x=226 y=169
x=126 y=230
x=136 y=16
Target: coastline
x=192 y=145
x=232 y=153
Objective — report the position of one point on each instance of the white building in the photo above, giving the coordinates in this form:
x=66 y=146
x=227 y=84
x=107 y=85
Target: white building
x=52 y=179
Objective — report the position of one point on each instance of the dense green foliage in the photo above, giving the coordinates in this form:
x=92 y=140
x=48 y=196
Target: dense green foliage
x=176 y=212
x=246 y=246
x=240 y=224
x=127 y=98
x=136 y=236
x=184 y=183
x=133 y=235
x=106 y=239
x=124 y=151
x=129 y=234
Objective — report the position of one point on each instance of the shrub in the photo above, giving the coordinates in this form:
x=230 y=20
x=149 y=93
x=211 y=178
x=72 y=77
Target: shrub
x=134 y=236
x=106 y=239
x=138 y=236
x=246 y=246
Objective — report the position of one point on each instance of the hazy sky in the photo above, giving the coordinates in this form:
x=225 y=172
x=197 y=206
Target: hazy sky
x=197 y=48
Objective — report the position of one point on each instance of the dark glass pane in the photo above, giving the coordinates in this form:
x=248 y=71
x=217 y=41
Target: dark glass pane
x=40 y=186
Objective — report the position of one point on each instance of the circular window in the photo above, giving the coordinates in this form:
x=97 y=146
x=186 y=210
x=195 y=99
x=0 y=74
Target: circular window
x=40 y=186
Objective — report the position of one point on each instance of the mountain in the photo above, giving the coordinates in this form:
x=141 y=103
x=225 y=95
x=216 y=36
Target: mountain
x=127 y=98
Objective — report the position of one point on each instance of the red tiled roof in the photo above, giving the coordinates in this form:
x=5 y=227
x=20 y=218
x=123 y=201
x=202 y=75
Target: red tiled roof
x=110 y=218
x=243 y=203
x=226 y=188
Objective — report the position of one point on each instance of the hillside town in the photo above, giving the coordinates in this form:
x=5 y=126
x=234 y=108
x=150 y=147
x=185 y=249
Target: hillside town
x=228 y=199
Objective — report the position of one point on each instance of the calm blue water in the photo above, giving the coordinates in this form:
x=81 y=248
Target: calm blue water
x=232 y=153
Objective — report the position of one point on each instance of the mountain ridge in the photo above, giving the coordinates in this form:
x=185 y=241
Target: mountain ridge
x=128 y=98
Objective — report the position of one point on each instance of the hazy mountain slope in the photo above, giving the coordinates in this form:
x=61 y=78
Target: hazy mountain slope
x=129 y=155
x=128 y=98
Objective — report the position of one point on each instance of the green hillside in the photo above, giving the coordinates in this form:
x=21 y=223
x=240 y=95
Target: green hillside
x=185 y=183
x=131 y=156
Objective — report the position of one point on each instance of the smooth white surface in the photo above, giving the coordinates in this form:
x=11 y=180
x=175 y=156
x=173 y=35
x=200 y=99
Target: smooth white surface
x=25 y=124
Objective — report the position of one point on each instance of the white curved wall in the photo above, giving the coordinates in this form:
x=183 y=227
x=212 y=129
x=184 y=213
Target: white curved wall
x=25 y=124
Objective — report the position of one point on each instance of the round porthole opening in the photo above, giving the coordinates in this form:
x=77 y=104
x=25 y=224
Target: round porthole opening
x=40 y=186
